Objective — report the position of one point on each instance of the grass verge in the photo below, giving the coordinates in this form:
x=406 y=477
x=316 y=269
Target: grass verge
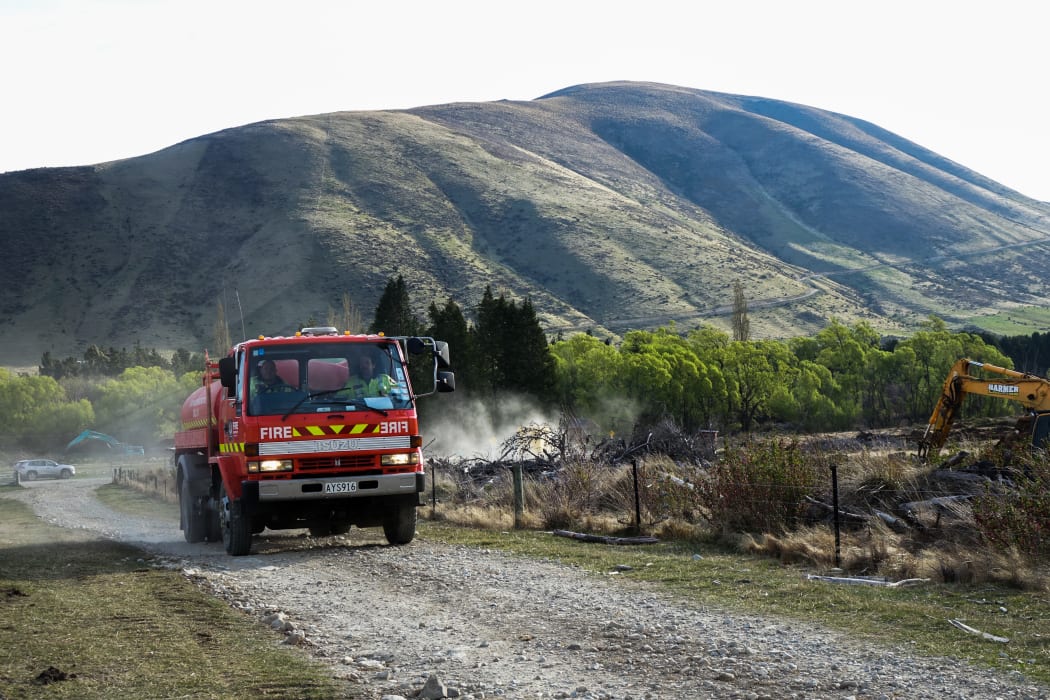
x=912 y=619
x=88 y=618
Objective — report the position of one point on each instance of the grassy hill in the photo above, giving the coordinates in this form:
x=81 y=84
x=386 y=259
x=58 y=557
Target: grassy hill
x=612 y=206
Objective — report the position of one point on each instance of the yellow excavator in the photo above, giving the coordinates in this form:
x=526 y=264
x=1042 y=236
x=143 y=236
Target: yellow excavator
x=1030 y=391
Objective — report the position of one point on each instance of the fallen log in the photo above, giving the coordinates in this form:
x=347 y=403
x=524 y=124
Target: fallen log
x=983 y=635
x=896 y=524
x=854 y=581
x=605 y=539
x=942 y=502
x=842 y=513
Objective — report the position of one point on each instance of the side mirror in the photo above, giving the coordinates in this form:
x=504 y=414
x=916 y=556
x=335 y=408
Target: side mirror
x=228 y=373
x=446 y=381
x=441 y=353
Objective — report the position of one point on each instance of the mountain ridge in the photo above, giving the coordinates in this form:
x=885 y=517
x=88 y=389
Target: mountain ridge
x=610 y=206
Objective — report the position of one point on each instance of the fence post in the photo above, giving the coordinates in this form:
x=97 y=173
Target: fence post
x=835 y=506
x=433 y=489
x=519 y=495
x=637 y=498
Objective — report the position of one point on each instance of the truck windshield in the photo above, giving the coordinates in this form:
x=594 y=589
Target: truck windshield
x=328 y=377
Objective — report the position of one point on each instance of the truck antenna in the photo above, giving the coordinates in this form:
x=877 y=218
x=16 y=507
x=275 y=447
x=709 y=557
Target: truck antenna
x=244 y=333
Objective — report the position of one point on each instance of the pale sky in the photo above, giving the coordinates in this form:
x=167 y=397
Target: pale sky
x=90 y=81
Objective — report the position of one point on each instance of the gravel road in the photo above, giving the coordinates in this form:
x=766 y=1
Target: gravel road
x=432 y=620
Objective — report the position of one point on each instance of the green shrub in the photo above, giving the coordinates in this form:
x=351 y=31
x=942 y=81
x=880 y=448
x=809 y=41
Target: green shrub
x=1018 y=517
x=759 y=487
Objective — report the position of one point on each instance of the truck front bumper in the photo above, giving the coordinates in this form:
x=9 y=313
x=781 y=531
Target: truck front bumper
x=335 y=488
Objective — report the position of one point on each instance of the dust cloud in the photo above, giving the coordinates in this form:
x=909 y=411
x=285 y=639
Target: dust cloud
x=475 y=429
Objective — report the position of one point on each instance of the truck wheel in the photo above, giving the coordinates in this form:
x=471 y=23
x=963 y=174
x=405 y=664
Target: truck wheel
x=236 y=530
x=214 y=527
x=400 y=527
x=66 y=474
x=193 y=522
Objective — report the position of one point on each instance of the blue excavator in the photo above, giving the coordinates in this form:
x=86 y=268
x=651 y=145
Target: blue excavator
x=109 y=440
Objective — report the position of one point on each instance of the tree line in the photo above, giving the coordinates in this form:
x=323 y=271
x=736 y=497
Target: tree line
x=842 y=378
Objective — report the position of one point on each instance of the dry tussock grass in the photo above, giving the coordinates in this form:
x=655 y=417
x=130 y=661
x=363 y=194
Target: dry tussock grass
x=477 y=516
x=881 y=552
x=158 y=483
x=939 y=542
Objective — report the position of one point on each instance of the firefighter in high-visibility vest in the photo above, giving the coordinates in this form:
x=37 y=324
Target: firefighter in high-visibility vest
x=266 y=379
x=365 y=381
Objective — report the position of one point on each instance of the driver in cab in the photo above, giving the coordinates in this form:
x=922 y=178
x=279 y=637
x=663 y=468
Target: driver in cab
x=266 y=379
x=366 y=381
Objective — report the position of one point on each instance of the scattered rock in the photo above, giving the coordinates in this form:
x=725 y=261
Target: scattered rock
x=433 y=689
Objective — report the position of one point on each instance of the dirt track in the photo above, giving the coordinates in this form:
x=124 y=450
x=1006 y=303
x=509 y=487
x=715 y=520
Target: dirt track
x=486 y=624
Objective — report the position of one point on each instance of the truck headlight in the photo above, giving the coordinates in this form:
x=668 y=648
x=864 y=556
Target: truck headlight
x=270 y=465
x=399 y=460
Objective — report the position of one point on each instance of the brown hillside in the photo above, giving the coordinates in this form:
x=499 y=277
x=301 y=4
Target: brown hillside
x=612 y=206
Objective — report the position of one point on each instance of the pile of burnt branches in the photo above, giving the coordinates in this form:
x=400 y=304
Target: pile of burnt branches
x=543 y=450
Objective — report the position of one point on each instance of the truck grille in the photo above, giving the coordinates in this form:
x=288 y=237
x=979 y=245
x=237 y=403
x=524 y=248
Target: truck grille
x=341 y=463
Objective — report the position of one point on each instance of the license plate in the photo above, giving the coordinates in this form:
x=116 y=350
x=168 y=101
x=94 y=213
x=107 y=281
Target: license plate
x=340 y=487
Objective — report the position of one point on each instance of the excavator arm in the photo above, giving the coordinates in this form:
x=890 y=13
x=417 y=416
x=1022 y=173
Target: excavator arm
x=1030 y=391
x=108 y=439
x=94 y=435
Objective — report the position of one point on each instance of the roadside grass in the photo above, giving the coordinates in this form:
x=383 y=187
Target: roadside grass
x=721 y=574
x=89 y=618
x=127 y=499
x=713 y=574
x=740 y=577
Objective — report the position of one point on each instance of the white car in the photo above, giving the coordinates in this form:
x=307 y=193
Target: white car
x=31 y=469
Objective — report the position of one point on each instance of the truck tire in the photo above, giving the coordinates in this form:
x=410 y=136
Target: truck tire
x=214 y=527
x=66 y=474
x=236 y=530
x=400 y=526
x=194 y=524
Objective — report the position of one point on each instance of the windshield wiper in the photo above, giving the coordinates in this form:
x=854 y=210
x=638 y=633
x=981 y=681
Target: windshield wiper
x=359 y=403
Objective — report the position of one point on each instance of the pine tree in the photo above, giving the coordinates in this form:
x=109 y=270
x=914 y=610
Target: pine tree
x=447 y=323
x=528 y=364
x=512 y=349
x=487 y=336
x=394 y=311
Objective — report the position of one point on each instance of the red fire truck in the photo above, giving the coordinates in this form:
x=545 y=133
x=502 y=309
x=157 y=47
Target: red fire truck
x=318 y=446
